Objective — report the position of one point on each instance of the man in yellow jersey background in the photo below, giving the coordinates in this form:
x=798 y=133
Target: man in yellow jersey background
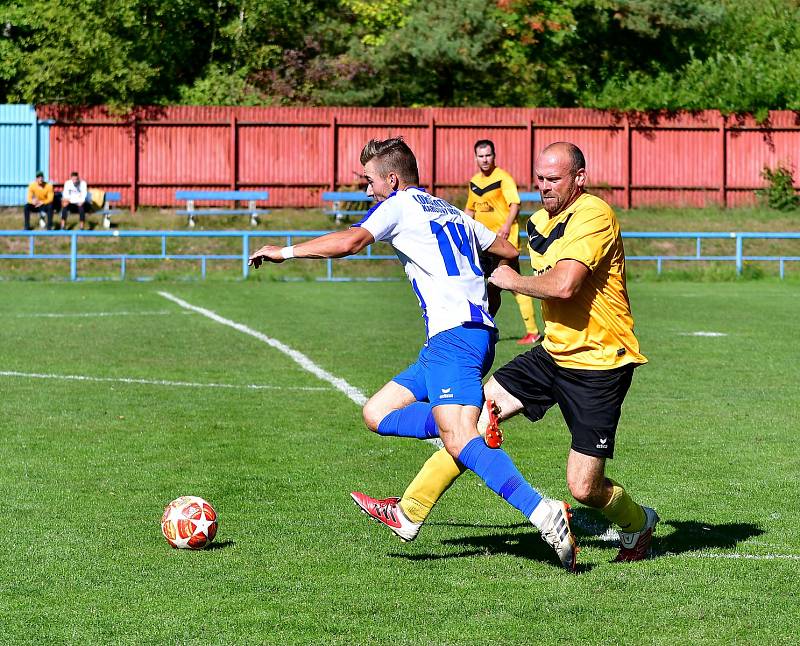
x=586 y=361
x=493 y=201
x=39 y=198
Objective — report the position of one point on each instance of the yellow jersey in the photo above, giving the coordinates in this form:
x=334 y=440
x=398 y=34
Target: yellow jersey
x=43 y=193
x=490 y=197
x=593 y=330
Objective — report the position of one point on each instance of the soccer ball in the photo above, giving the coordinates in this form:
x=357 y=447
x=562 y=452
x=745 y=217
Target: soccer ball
x=189 y=522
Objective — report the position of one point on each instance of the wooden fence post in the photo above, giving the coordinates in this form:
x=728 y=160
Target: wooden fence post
x=529 y=156
x=432 y=149
x=134 y=162
x=628 y=173
x=334 y=154
x=233 y=152
x=723 y=190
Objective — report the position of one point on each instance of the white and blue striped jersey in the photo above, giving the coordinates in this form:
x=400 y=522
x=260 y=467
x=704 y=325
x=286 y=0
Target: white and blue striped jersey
x=438 y=245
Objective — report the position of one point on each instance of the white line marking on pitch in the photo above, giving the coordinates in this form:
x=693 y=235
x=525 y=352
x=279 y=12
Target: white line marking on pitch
x=63 y=315
x=298 y=357
x=152 y=382
x=700 y=333
x=752 y=557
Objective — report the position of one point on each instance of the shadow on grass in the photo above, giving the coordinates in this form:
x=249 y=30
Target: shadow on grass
x=591 y=528
x=221 y=545
x=527 y=545
x=692 y=536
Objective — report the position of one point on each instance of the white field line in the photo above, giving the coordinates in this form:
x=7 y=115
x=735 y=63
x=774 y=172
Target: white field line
x=298 y=357
x=151 y=382
x=701 y=333
x=735 y=555
x=63 y=315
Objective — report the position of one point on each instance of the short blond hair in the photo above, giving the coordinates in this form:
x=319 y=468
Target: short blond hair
x=392 y=155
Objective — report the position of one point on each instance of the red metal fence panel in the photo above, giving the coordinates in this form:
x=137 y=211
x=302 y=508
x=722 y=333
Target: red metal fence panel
x=296 y=153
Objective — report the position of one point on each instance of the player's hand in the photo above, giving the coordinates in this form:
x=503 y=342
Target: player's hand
x=268 y=253
x=503 y=232
x=503 y=277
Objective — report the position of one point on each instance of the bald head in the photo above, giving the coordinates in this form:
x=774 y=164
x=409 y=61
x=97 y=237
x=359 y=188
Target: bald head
x=561 y=175
x=564 y=149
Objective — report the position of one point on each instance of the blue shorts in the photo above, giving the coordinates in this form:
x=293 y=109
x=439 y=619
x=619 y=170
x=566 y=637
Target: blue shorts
x=451 y=366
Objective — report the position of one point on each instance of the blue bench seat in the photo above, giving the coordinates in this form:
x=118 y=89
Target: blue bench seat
x=529 y=196
x=343 y=204
x=107 y=211
x=251 y=197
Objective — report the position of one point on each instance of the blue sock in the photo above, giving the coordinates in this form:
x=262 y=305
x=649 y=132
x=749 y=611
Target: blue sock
x=500 y=475
x=415 y=420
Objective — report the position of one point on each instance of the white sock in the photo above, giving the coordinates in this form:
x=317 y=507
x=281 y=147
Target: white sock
x=541 y=513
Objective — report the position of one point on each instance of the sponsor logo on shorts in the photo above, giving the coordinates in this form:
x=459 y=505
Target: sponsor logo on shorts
x=446 y=394
x=603 y=444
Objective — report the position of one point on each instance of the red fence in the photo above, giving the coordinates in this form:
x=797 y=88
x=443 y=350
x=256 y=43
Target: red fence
x=296 y=153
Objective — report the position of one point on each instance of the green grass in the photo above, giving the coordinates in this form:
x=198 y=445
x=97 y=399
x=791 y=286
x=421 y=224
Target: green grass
x=708 y=437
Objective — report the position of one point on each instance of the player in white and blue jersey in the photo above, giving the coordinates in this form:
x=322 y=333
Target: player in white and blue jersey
x=440 y=394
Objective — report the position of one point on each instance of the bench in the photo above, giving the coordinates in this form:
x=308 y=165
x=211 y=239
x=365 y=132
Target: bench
x=343 y=204
x=107 y=211
x=251 y=197
x=533 y=196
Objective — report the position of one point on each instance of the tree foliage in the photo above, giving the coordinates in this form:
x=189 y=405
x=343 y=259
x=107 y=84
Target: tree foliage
x=731 y=55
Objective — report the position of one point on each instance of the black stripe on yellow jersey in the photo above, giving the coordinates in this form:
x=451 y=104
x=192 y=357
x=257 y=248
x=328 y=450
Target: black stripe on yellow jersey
x=481 y=191
x=538 y=242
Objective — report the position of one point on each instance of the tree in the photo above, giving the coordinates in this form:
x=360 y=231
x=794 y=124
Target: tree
x=748 y=61
x=118 y=52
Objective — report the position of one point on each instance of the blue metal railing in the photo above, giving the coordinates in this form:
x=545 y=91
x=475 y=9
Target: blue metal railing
x=290 y=237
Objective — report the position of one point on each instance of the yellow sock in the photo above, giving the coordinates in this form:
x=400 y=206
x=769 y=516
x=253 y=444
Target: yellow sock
x=525 y=304
x=622 y=511
x=435 y=477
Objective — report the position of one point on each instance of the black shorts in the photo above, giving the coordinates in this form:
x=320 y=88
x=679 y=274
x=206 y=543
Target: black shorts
x=489 y=262
x=590 y=400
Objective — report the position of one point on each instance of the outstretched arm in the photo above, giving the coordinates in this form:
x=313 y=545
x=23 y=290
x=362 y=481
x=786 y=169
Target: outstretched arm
x=331 y=245
x=562 y=281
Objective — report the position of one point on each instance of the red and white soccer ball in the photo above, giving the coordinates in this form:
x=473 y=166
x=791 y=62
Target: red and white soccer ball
x=189 y=522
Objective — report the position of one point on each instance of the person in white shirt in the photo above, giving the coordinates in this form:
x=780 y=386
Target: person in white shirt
x=441 y=394
x=73 y=199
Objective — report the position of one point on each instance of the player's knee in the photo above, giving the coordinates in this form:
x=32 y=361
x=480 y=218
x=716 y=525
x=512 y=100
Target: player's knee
x=452 y=443
x=585 y=491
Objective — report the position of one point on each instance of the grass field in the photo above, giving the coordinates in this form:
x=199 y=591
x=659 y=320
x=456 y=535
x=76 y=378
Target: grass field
x=708 y=438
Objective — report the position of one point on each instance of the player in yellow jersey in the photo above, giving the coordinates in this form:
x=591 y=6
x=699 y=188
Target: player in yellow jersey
x=587 y=359
x=493 y=201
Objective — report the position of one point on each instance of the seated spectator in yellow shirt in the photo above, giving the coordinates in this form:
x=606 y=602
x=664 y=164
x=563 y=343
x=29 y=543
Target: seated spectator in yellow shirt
x=39 y=199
